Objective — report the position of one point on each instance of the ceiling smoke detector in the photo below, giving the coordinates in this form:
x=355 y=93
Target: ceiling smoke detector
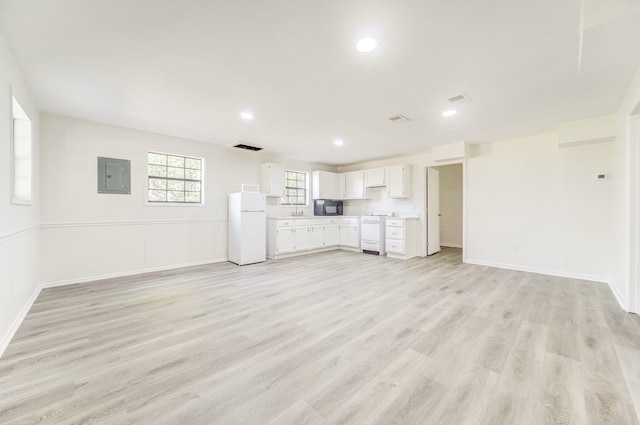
x=399 y=118
x=247 y=147
x=460 y=99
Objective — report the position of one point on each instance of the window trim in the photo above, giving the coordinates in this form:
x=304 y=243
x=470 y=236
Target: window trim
x=15 y=200
x=148 y=203
x=307 y=188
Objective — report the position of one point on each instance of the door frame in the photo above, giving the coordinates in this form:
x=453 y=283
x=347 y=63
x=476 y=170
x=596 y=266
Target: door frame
x=432 y=164
x=633 y=249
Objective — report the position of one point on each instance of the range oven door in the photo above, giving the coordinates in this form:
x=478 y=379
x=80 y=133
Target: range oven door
x=370 y=232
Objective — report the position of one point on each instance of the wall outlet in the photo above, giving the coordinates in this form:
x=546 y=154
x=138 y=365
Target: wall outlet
x=601 y=176
x=516 y=247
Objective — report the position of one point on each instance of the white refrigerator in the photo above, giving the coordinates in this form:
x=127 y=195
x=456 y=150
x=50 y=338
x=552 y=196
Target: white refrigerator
x=247 y=228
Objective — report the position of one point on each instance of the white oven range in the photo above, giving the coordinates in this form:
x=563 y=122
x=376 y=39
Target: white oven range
x=372 y=236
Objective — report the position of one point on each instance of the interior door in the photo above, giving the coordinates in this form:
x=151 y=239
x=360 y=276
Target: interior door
x=433 y=211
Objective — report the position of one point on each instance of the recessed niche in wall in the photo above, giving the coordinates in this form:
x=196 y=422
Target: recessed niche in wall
x=114 y=176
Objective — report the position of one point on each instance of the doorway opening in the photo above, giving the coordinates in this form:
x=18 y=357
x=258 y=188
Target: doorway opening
x=444 y=207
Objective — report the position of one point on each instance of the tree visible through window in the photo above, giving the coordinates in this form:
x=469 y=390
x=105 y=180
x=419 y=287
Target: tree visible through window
x=174 y=178
x=21 y=149
x=295 y=190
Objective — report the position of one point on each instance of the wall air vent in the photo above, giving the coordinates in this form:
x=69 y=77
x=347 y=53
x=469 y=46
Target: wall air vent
x=460 y=99
x=247 y=147
x=398 y=118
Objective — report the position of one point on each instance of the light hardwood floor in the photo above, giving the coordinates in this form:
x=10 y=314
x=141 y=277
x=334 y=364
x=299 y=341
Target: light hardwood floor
x=331 y=338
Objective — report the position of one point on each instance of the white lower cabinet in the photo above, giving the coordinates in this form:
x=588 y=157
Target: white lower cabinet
x=292 y=236
x=284 y=240
x=350 y=232
x=316 y=237
x=331 y=235
x=326 y=232
x=301 y=238
x=401 y=237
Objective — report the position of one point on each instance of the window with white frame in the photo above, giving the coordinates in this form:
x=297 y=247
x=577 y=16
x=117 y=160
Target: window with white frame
x=21 y=150
x=295 y=188
x=174 y=178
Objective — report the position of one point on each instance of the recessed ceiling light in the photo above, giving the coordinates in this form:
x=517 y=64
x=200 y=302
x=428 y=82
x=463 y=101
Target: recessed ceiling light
x=338 y=142
x=246 y=115
x=449 y=112
x=366 y=45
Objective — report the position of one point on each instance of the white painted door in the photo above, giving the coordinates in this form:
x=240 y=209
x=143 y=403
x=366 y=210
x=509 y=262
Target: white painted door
x=331 y=235
x=634 y=281
x=316 y=237
x=301 y=238
x=341 y=184
x=284 y=240
x=354 y=183
x=349 y=235
x=433 y=211
x=397 y=181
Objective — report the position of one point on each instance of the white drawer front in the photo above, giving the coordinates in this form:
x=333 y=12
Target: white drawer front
x=301 y=222
x=370 y=246
x=285 y=223
x=350 y=220
x=395 y=223
x=395 y=233
x=395 y=246
x=324 y=221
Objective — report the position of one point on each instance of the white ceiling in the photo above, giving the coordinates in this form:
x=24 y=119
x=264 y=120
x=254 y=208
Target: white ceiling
x=188 y=68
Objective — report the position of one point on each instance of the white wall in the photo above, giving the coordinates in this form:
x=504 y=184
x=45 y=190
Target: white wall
x=86 y=235
x=530 y=205
x=450 y=205
x=534 y=206
x=18 y=223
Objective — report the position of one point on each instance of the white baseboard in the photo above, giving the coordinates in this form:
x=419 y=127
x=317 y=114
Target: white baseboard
x=451 y=245
x=8 y=336
x=95 y=278
x=581 y=276
x=550 y=272
x=298 y=254
x=618 y=296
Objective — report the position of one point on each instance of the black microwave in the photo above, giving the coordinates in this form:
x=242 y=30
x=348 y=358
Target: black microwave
x=327 y=207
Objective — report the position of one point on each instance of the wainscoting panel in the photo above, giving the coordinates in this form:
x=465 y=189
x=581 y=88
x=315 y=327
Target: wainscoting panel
x=74 y=252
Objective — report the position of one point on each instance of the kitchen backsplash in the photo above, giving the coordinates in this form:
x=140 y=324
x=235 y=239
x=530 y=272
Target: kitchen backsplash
x=380 y=202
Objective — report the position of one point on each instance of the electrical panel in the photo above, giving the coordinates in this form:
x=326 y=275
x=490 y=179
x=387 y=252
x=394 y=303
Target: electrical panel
x=114 y=175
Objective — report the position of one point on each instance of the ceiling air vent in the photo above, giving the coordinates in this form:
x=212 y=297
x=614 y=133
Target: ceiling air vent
x=398 y=118
x=247 y=147
x=460 y=99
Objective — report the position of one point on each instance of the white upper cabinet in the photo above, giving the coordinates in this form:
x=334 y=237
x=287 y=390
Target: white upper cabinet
x=342 y=185
x=399 y=181
x=272 y=183
x=354 y=185
x=325 y=185
x=375 y=177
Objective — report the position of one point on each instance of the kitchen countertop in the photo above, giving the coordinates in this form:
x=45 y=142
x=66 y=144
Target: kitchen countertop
x=298 y=217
